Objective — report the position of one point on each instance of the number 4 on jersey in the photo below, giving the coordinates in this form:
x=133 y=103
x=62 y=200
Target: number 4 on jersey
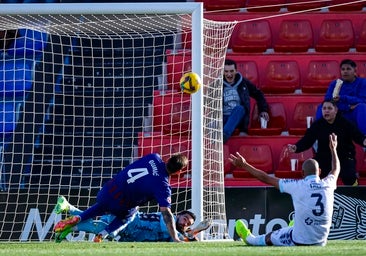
x=135 y=174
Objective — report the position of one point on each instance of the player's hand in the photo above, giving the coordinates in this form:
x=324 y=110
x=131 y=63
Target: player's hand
x=352 y=107
x=98 y=238
x=333 y=141
x=335 y=99
x=190 y=239
x=237 y=160
x=264 y=115
x=292 y=148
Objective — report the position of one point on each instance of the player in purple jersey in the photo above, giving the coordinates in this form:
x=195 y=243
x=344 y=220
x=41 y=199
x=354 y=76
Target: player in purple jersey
x=143 y=180
x=312 y=198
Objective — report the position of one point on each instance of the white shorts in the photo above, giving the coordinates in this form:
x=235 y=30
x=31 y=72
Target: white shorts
x=283 y=237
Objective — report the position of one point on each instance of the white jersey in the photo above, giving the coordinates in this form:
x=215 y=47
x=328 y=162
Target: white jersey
x=313 y=200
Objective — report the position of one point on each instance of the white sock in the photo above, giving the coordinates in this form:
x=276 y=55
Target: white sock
x=256 y=240
x=73 y=208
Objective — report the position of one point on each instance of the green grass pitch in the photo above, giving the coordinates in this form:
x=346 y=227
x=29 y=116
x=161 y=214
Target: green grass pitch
x=341 y=247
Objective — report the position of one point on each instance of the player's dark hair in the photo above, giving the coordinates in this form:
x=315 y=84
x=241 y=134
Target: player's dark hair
x=348 y=62
x=230 y=62
x=176 y=163
x=193 y=216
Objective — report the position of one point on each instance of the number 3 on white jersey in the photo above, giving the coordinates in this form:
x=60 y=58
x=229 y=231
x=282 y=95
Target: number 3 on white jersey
x=135 y=174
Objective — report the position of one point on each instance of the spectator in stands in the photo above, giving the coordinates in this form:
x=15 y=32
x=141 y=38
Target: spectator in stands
x=143 y=180
x=349 y=93
x=333 y=122
x=237 y=91
x=312 y=198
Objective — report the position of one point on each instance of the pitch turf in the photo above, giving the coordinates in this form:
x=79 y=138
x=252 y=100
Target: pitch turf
x=344 y=248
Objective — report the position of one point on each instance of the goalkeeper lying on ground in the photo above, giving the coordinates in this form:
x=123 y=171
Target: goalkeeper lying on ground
x=140 y=227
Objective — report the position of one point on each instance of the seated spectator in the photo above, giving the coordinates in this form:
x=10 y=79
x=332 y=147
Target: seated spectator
x=349 y=93
x=237 y=91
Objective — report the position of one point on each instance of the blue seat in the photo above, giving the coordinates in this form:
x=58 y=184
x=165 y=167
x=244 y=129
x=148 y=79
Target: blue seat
x=29 y=44
x=9 y=115
x=16 y=77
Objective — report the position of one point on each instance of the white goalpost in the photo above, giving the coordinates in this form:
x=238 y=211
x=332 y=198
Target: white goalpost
x=88 y=88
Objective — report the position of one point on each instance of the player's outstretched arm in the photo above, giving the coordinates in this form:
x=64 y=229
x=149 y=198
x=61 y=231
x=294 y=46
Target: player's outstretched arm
x=170 y=224
x=335 y=160
x=239 y=161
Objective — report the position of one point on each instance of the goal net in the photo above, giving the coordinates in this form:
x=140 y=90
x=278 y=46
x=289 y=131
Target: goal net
x=88 y=88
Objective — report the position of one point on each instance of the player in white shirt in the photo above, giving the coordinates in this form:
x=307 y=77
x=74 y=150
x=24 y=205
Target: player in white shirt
x=312 y=199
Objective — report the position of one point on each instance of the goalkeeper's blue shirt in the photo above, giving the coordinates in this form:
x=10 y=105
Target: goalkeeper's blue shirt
x=145 y=227
x=140 y=227
x=141 y=181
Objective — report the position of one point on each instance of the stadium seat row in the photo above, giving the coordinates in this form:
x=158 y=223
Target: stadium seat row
x=277 y=5
x=272 y=156
x=258 y=32
x=20 y=50
x=267 y=153
x=288 y=113
x=277 y=73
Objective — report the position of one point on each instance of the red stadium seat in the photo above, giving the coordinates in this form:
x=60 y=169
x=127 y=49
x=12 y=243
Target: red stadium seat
x=288 y=174
x=361 y=68
x=345 y=5
x=171 y=113
x=302 y=110
x=294 y=36
x=360 y=160
x=296 y=5
x=213 y=5
x=335 y=35
x=260 y=156
x=360 y=43
x=265 y=5
x=319 y=74
x=165 y=146
x=177 y=64
x=227 y=164
x=276 y=124
x=252 y=36
x=284 y=165
x=243 y=182
x=249 y=70
x=280 y=77
x=180 y=118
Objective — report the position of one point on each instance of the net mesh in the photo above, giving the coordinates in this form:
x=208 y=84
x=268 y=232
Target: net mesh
x=84 y=95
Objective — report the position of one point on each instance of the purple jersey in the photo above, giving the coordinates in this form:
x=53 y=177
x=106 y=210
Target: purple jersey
x=138 y=183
